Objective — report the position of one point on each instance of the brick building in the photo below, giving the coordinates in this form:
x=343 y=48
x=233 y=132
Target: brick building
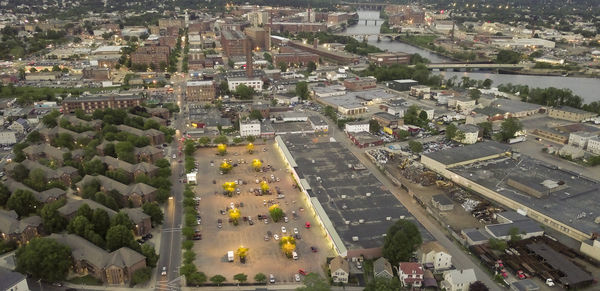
x=294 y=27
x=291 y=56
x=260 y=38
x=147 y=55
x=98 y=74
x=360 y=84
x=90 y=103
x=389 y=58
x=200 y=91
x=234 y=43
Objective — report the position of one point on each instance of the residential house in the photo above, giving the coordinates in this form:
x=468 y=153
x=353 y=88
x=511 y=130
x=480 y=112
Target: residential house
x=21 y=231
x=458 y=280
x=46 y=196
x=74 y=120
x=142 y=221
x=64 y=174
x=159 y=112
x=12 y=281
x=115 y=268
x=135 y=194
x=148 y=154
x=45 y=151
x=462 y=104
x=411 y=274
x=20 y=125
x=156 y=136
x=49 y=134
x=382 y=269
x=357 y=126
x=340 y=269
x=433 y=255
x=134 y=170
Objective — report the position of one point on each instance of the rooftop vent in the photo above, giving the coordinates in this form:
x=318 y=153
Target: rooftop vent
x=313 y=161
x=343 y=196
x=369 y=194
x=388 y=218
x=344 y=206
x=355 y=238
x=347 y=222
x=361 y=221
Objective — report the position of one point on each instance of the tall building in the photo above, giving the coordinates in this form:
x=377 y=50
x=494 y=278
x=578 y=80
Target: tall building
x=234 y=43
x=258 y=18
x=151 y=55
x=92 y=102
x=260 y=38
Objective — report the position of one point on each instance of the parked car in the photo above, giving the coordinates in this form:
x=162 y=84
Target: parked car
x=297 y=277
x=283 y=230
x=219 y=223
x=276 y=237
x=295 y=230
x=314 y=249
x=302 y=272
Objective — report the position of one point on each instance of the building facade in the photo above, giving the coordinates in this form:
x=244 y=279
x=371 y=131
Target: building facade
x=200 y=91
x=90 y=103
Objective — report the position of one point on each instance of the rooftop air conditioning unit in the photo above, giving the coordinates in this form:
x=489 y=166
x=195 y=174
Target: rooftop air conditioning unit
x=388 y=218
x=347 y=222
x=343 y=196
x=361 y=221
x=355 y=238
x=369 y=194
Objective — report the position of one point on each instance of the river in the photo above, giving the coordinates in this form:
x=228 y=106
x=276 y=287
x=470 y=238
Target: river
x=587 y=88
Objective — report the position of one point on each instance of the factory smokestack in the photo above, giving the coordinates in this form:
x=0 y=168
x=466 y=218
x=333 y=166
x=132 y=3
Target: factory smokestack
x=249 y=65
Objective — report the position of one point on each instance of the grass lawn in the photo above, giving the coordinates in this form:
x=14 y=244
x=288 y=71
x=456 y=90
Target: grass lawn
x=85 y=280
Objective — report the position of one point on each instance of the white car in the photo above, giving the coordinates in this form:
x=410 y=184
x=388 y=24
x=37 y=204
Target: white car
x=164 y=271
x=283 y=230
x=297 y=277
x=295 y=230
x=276 y=237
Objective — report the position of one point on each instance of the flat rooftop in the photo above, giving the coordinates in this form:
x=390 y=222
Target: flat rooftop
x=342 y=192
x=573 y=202
x=468 y=153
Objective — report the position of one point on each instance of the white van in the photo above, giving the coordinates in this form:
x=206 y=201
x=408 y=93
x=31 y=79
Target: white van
x=230 y=256
x=295 y=255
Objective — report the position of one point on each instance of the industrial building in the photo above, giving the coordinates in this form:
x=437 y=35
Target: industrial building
x=351 y=204
x=562 y=200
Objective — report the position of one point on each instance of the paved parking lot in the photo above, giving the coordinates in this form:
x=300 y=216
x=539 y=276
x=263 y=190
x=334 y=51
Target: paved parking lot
x=263 y=256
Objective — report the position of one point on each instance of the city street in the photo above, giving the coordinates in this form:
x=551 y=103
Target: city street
x=170 y=245
x=460 y=259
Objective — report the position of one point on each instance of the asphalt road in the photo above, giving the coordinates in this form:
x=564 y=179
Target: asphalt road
x=171 y=238
x=460 y=259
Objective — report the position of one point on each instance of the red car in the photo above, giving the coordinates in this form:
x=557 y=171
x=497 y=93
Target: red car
x=314 y=249
x=302 y=272
x=307 y=224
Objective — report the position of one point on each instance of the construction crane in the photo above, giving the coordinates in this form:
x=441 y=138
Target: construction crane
x=403 y=164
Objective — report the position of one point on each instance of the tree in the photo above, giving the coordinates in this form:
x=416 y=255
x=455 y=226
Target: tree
x=508 y=128
x=514 y=234
x=451 y=130
x=101 y=221
x=302 y=90
x=314 y=282
x=401 y=241
x=95 y=166
x=264 y=187
x=250 y=148
x=4 y=194
x=374 y=126
x=51 y=218
x=508 y=57
x=153 y=209
x=34 y=137
x=475 y=94
x=141 y=276
x=235 y=214
x=122 y=219
x=260 y=278
x=119 y=236
x=256 y=164
x=415 y=146
x=276 y=213
x=221 y=149
x=478 y=286
x=150 y=254
x=255 y=115
x=225 y=167
x=486 y=128
x=244 y=92
x=460 y=136
x=22 y=202
x=268 y=57
x=204 y=140
x=241 y=278
x=288 y=245
x=229 y=188
x=242 y=253
x=423 y=117
x=196 y=279
x=190 y=148
x=487 y=83
x=311 y=66
x=282 y=66
x=497 y=244
x=44 y=258
x=217 y=279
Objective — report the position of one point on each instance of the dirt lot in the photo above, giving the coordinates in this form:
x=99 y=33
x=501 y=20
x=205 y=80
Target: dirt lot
x=263 y=256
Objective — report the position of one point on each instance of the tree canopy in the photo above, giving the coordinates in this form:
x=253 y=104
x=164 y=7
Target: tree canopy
x=44 y=258
x=401 y=241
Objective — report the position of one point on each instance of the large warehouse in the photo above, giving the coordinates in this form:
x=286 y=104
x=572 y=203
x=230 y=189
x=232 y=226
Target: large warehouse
x=557 y=198
x=353 y=207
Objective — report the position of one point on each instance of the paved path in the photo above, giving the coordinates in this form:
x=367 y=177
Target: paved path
x=460 y=259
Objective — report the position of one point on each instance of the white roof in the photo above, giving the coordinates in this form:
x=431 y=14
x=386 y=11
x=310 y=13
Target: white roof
x=109 y=48
x=199 y=83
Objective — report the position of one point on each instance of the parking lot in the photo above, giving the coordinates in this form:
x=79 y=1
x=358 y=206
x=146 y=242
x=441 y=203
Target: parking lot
x=263 y=256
